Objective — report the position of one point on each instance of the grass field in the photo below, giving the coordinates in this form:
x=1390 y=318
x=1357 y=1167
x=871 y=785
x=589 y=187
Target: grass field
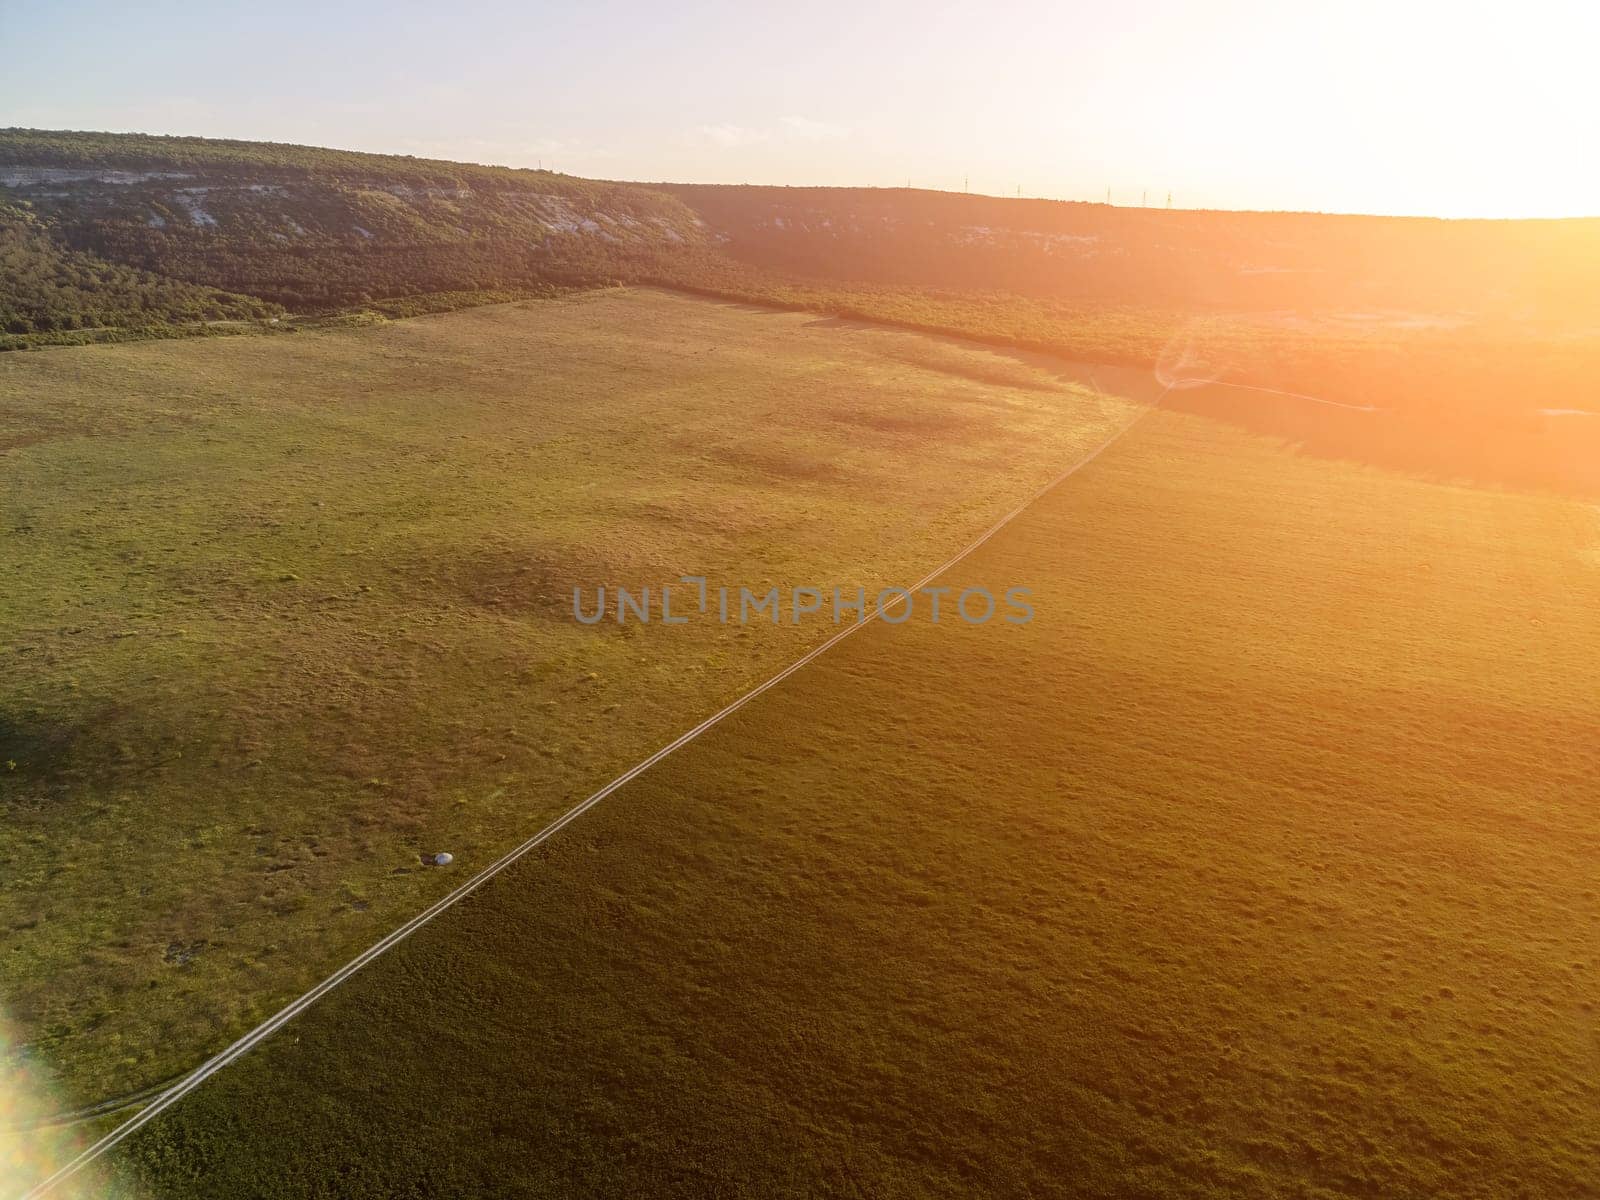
x=1262 y=863
x=283 y=614
x=1496 y=404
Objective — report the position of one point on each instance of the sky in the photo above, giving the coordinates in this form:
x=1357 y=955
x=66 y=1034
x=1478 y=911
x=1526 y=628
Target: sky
x=1404 y=106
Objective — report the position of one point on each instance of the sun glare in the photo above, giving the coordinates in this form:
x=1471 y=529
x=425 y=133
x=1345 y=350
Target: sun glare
x=30 y=1150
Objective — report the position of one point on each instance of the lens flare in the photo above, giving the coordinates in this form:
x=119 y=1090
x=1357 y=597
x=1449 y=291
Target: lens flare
x=33 y=1142
x=1183 y=364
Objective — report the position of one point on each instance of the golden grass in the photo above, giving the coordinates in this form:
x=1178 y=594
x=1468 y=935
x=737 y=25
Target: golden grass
x=1262 y=863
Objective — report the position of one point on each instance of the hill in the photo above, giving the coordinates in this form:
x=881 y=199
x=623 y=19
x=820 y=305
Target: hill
x=305 y=226
x=1406 y=272
x=314 y=229
x=1478 y=340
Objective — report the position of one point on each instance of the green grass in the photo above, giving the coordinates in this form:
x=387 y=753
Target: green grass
x=1262 y=863
x=282 y=614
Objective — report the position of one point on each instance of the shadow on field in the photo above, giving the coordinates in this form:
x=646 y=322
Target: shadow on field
x=1480 y=441
x=39 y=748
x=779 y=463
x=1444 y=439
x=1554 y=452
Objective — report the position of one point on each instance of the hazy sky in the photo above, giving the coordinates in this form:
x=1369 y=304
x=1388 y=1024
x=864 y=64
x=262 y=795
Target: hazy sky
x=1404 y=106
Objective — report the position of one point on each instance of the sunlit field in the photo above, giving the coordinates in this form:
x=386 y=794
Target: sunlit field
x=723 y=602
x=1263 y=862
x=283 y=615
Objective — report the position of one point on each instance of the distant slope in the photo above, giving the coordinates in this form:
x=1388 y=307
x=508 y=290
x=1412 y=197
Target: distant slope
x=1468 y=327
x=1249 y=261
x=311 y=228
x=315 y=228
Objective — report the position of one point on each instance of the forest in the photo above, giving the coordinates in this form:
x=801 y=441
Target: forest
x=49 y=292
